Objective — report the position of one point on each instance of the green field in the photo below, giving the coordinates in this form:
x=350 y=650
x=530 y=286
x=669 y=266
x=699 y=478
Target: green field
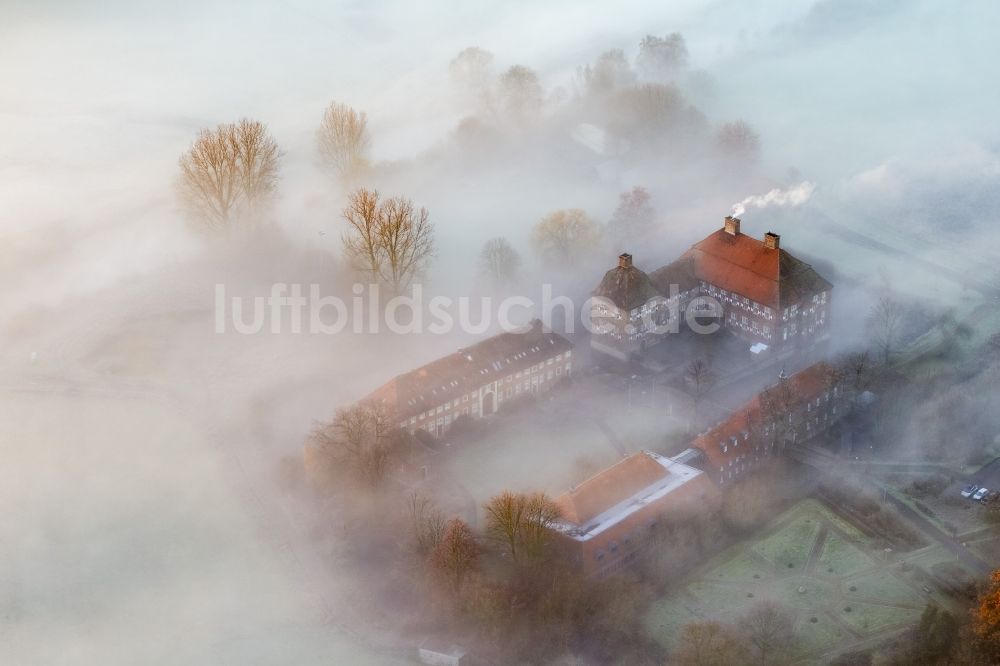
x=828 y=557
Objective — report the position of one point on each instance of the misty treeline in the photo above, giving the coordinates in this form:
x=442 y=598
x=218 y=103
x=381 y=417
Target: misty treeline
x=623 y=112
x=491 y=577
x=934 y=379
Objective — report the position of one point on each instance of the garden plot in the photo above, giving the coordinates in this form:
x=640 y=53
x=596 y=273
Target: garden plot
x=814 y=541
x=790 y=546
x=841 y=557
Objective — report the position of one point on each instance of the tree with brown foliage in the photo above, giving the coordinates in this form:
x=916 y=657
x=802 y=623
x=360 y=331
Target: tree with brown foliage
x=521 y=522
x=343 y=139
x=390 y=241
x=456 y=553
x=566 y=236
x=229 y=173
x=986 y=617
x=707 y=643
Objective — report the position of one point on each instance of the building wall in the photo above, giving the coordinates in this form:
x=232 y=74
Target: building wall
x=618 y=546
x=539 y=378
x=633 y=331
x=731 y=455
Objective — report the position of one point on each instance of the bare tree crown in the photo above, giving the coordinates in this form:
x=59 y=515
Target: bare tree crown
x=343 y=139
x=229 y=171
x=391 y=241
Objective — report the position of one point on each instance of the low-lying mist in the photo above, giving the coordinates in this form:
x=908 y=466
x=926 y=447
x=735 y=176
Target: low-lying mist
x=148 y=509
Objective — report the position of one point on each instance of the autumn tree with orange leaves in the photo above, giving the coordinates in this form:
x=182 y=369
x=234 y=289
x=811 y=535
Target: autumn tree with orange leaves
x=986 y=617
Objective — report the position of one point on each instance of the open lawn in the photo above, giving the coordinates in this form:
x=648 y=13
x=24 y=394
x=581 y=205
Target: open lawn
x=829 y=557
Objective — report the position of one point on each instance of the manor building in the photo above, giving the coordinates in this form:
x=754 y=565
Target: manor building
x=769 y=298
x=476 y=381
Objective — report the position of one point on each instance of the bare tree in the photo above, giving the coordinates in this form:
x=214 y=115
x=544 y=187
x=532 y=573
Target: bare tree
x=886 y=319
x=700 y=378
x=565 y=236
x=427 y=522
x=504 y=515
x=229 y=172
x=343 y=139
x=456 y=553
x=661 y=58
x=777 y=404
x=738 y=140
x=390 y=241
x=767 y=629
x=521 y=94
x=361 y=437
x=521 y=522
x=633 y=218
x=540 y=514
x=499 y=261
x=856 y=368
x=707 y=643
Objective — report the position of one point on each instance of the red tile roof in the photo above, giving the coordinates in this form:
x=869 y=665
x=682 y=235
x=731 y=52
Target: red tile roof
x=803 y=386
x=609 y=487
x=466 y=370
x=737 y=263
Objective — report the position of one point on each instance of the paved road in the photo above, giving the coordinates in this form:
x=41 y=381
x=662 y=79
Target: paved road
x=930 y=529
x=826 y=462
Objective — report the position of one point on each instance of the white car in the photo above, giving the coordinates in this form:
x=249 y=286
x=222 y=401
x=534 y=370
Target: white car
x=980 y=494
x=969 y=490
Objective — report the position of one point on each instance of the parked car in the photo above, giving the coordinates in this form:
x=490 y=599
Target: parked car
x=980 y=494
x=969 y=490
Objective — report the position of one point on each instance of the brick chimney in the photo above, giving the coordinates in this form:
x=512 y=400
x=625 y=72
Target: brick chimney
x=732 y=226
x=772 y=241
x=625 y=260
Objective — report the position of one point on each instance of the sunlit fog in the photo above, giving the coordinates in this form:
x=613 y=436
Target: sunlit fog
x=511 y=333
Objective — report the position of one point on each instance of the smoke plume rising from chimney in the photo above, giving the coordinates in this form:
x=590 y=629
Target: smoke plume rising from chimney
x=793 y=196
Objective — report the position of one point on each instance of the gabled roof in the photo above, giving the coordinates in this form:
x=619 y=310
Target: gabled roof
x=627 y=287
x=736 y=262
x=681 y=273
x=451 y=376
x=609 y=487
x=641 y=482
x=801 y=387
x=746 y=266
x=798 y=280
